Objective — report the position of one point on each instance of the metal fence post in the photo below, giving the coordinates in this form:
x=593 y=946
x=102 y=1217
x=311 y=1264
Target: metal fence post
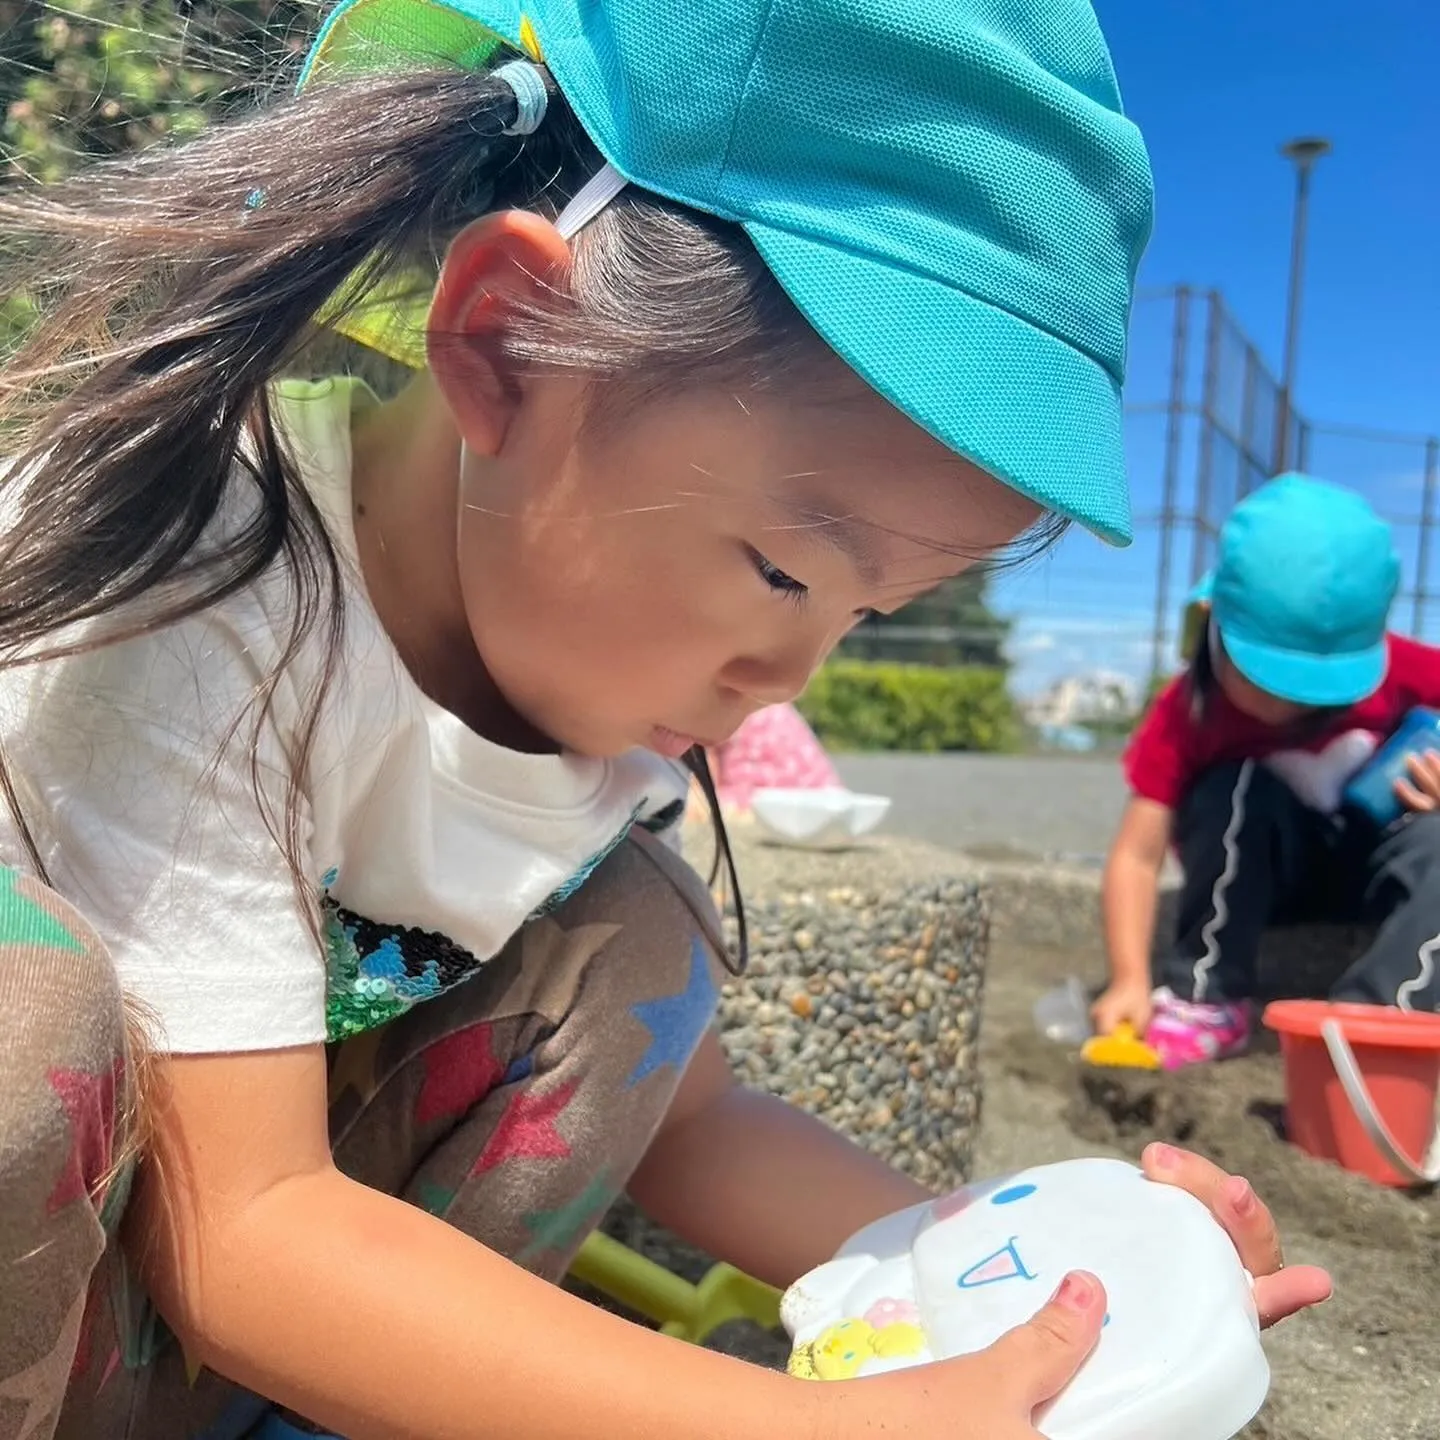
x=1170 y=480
x=1205 y=460
x=1246 y=460
x=1427 y=526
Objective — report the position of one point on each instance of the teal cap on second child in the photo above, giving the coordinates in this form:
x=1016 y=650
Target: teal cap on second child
x=1302 y=590
x=949 y=190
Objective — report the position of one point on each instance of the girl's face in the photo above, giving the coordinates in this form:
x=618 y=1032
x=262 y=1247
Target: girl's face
x=1250 y=699
x=654 y=582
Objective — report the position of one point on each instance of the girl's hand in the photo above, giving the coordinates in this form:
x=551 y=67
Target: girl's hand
x=1278 y=1291
x=1421 y=791
x=1121 y=1003
x=992 y=1395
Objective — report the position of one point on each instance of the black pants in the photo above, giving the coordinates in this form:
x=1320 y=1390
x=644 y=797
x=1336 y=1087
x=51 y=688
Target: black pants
x=1254 y=855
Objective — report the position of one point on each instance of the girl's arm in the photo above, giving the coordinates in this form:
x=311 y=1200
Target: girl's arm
x=776 y=1192
x=378 y=1320
x=1128 y=895
x=756 y=1182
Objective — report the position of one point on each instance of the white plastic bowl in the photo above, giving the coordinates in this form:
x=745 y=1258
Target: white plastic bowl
x=831 y=819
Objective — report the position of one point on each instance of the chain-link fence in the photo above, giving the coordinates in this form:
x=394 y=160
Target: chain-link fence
x=1400 y=476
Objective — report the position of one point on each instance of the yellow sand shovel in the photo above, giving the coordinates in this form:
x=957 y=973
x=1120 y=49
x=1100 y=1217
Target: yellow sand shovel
x=686 y=1311
x=1121 y=1049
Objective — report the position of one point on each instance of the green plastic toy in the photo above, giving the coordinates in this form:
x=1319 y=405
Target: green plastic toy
x=686 y=1311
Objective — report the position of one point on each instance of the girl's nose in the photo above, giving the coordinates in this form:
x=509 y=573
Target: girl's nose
x=776 y=678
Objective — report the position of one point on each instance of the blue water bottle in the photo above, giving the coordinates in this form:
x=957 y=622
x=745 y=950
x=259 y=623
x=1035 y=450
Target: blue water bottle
x=1372 y=790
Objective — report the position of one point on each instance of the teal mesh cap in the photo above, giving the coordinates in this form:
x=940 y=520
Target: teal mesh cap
x=949 y=190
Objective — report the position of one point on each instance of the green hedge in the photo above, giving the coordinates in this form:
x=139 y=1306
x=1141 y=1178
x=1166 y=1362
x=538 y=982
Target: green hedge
x=857 y=705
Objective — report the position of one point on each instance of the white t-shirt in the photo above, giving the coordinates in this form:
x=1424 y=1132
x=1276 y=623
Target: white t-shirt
x=427 y=846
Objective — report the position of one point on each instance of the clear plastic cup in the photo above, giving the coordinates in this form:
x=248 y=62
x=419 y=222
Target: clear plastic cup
x=1063 y=1014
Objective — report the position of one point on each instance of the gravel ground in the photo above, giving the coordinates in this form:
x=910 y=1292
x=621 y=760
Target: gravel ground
x=861 y=1004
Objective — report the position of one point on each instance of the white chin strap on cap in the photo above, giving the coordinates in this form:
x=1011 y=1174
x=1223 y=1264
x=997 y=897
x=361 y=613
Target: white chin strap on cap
x=589 y=200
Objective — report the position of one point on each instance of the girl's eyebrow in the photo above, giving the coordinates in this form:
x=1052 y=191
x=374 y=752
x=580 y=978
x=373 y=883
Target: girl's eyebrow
x=852 y=537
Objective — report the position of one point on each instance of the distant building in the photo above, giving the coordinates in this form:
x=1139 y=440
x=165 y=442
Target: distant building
x=1101 y=695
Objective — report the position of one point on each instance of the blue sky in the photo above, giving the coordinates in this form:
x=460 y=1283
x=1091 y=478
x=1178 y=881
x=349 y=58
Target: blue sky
x=1216 y=86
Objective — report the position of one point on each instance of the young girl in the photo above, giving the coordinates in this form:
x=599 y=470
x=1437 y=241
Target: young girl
x=1242 y=762
x=350 y=728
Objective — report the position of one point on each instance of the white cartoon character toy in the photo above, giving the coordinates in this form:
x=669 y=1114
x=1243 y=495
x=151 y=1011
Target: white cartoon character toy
x=1179 y=1356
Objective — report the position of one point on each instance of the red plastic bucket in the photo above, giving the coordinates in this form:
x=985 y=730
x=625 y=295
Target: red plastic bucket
x=1394 y=1080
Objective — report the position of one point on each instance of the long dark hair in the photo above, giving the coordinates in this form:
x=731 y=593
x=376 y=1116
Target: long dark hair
x=173 y=286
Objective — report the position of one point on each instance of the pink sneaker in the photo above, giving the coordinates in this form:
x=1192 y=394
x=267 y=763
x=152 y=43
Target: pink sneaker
x=1189 y=1032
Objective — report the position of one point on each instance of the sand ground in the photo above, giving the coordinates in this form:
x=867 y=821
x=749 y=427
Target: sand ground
x=1366 y=1366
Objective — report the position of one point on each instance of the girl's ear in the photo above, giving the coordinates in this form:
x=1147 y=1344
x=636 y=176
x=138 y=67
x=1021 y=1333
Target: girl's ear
x=513 y=256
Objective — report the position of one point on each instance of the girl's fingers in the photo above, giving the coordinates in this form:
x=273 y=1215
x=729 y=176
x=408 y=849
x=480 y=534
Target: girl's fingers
x=1278 y=1292
x=1427 y=769
x=1289 y=1291
x=1413 y=799
x=1229 y=1198
x=1424 y=773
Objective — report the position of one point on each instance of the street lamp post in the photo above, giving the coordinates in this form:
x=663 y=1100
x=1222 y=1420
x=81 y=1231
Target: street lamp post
x=1303 y=154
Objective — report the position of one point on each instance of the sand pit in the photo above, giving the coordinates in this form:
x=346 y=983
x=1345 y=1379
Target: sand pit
x=1366 y=1366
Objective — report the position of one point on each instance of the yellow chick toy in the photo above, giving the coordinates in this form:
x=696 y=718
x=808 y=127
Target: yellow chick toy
x=839 y=1352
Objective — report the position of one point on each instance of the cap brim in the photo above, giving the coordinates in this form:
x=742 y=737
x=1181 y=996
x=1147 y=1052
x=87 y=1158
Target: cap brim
x=1027 y=408
x=1302 y=679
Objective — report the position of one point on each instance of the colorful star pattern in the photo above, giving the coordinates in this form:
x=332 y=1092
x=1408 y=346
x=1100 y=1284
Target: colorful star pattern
x=527 y=1130
x=89 y=1101
x=560 y=1228
x=23 y=922
x=436 y=1199
x=460 y=1071
x=677 y=1022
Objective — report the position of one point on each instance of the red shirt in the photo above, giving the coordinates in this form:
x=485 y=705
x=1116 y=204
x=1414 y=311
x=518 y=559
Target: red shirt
x=1170 y=748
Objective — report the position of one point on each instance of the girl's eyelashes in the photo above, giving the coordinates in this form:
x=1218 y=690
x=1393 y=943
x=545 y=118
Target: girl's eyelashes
x=796 y=590
x=777 y=579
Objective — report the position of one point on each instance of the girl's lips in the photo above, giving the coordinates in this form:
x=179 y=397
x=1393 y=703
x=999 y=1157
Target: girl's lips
x=670 y=743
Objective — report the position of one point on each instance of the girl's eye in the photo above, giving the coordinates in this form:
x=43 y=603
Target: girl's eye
x=777 y=579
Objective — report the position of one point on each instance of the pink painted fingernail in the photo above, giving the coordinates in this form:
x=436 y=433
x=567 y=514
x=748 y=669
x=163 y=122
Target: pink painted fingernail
x=1076 y=1292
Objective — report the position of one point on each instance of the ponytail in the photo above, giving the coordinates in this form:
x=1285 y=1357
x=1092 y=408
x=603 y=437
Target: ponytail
x=186 y=279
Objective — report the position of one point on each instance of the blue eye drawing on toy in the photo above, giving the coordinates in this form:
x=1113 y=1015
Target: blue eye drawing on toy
x=1004 y=1264
x=1011 y=1194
